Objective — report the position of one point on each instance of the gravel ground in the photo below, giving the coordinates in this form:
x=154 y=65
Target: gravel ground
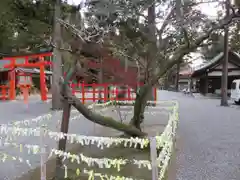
x=208 y=142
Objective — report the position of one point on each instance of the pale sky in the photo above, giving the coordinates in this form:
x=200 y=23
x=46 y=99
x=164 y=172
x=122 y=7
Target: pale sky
x=207 y=8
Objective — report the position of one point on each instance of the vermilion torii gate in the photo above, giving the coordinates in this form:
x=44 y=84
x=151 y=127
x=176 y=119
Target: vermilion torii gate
x=41 y=65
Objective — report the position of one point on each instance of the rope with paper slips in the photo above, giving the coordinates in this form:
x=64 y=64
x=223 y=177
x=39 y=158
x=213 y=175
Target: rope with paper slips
x=34 y=148
x=48 y=116
x=5 y=156
x=101 y=141
x=73 y=157
x=91 y=174
x=94 y=160
x=170 y=146
x=90 y=161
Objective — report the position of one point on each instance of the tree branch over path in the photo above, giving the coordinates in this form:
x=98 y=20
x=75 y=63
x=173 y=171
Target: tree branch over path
x=182 y=51
x=90 y=115
x=97 y=118
x=165 y=23
x=177 y=52
x=187 y=48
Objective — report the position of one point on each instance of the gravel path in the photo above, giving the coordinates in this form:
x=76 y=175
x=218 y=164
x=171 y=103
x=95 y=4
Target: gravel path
x=208 y=143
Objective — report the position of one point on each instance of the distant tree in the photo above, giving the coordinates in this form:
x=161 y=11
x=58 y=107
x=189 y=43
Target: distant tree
x=234 y=37
x=27 y=24
x=216 y=42
x=138 y=42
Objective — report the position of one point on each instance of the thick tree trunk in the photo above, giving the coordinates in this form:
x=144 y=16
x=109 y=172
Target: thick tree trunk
x=224 y=98
x=100 y=81
x=62 y=142
x=166 y=82
x=57 y=60
x=153 y=46
x=147 y=91
x=72 y=72
x=139 y=106
x=177 y=77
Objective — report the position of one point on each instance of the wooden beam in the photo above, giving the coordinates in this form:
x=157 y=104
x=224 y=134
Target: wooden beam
x=38 y=64
x=29 y=56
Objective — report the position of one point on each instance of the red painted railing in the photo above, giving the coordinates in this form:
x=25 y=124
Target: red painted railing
x=90 y=92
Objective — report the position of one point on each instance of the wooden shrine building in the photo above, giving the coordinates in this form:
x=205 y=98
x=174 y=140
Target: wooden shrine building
x=208 y=76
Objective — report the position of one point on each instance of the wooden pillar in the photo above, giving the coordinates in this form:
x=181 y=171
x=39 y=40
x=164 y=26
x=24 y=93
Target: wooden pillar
x=193 y=85
x=83 y=92
x=100 y=81
x=177 y=78
x=63 y=142
x=12 y=81
x=42 y=81
x=206 y=84
x=224 y=78
x=190 y=84
x=26 y=60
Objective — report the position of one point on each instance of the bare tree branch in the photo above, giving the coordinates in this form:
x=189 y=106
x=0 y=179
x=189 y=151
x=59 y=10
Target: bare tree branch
x=129 y=57
x=97 y=118
x=72 y=29
x=165 y=22
x=185 y=49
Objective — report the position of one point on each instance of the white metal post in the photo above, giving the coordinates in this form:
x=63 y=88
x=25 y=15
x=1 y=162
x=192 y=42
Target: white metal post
x=153 y=153
x=43 y=154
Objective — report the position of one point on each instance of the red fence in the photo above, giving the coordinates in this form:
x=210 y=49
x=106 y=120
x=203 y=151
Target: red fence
x=90 y=92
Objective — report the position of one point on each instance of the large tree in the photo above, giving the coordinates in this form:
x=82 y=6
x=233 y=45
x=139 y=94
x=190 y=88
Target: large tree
x=27 y=24
x=216 y=46
x=141 y=31
x=7 y=28
x=216 y=40
x=137 y=43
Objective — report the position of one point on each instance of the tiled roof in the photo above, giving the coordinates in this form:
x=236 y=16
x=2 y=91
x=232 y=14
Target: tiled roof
x=215 y=61
x=32 y=70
